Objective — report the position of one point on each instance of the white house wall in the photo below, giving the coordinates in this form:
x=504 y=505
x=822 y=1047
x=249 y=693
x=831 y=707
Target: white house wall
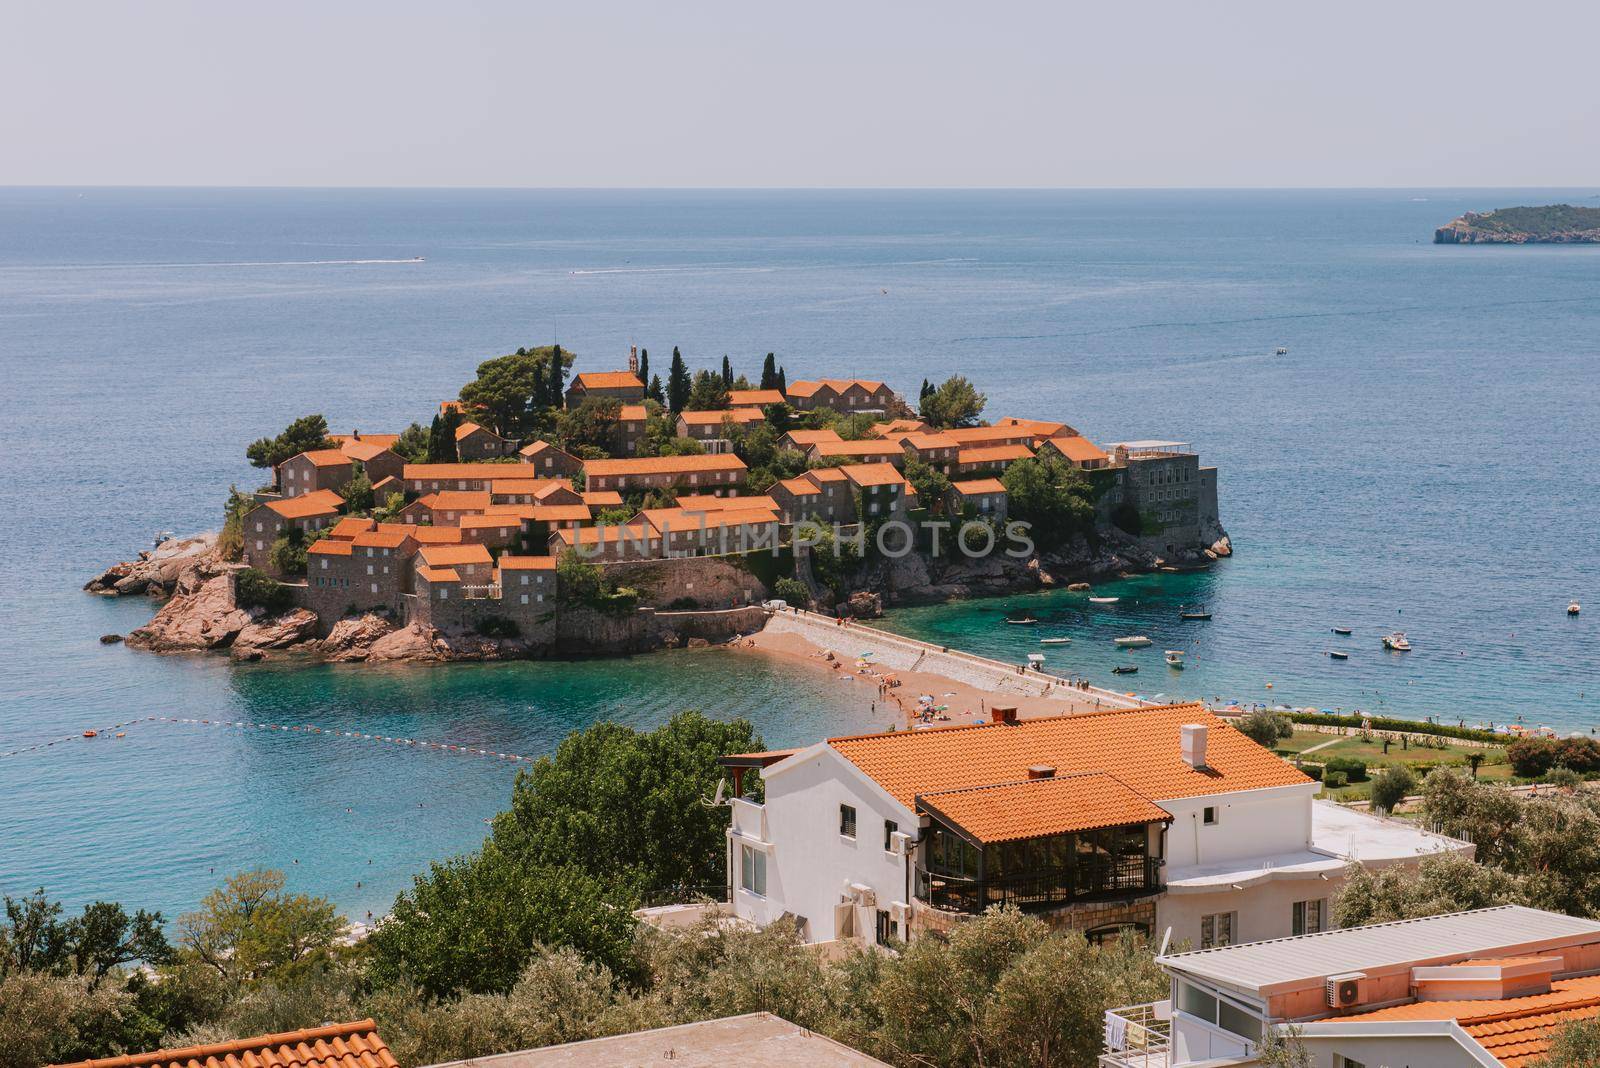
x=1250 y=823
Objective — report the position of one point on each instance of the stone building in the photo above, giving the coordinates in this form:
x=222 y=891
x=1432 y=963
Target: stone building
x=722 y=475
x=379 y=461
x=476 y=478
x=1175 y=498
x=981 y=498
x=371 y=570
x=476 y=442
x=307 y=472
x=549 y=461
x=623 y=386
x=446 y=507
x=871 y=451
x=1077 y=450
x=823 y=495
x=989 y=459
x=709 y=425
x=632 y=422
x=265 y=522
x=846 y=396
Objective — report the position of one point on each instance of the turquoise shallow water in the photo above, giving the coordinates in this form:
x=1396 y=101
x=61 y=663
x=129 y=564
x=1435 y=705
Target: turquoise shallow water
x=1424 y=457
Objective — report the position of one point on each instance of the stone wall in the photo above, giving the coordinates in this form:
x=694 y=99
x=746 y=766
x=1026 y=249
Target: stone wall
x=1085 y=916
x=707 y=581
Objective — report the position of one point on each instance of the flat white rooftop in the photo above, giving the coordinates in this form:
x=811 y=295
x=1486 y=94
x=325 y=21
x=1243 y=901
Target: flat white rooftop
x=1338 y=836
x=1289 y=963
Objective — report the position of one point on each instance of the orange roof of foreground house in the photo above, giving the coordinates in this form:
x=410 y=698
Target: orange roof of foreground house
x=608 y=380
x=427 y=535
x=529 y=486
x=876 y=447
x=534 y=448
x=633 y=413
x=1077 y=448
x=899 y=426
x=804 y=438
x=1037 y=808
x=873 y=474
x=381 y=539
x=308 y=505
x=838 y=385
x=466 y=429
x=714 y=417
x=1516 y=1031
x=979 y=485
x=1040 y=427
x=323 y=457
x=350 y=526
x=990 y=454
x=450 y=555
x=456 y=501
x=602 y=498
x=754 y=398
x=330 y=547
x=363 y=450
x=975 y=435
x=448 y=471
x=510 y=518
x=802 y=486
x=527 y=563
x=439 y=574
x=560 y=513
x=665 y=465
x=1142 y=746
x=344 y=1045
x=382 y=441
x=710 y=502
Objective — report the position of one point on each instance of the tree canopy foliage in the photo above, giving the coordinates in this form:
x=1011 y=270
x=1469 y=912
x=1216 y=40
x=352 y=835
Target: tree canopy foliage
x=1052 y=496
x=954 y=402
x=306 y=434
x=511 y=393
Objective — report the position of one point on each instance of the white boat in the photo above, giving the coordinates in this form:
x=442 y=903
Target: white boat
x=1055 y=641
x=1397 y=642
x=1574 y=608
x=1133 y=641
x=1280 y=351
x=1104 y=600
x=1025 y=621
x=1175 y=658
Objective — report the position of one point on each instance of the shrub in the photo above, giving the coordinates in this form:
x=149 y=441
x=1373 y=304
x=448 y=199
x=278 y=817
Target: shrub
x=793 y=591
x=683 y=604
x=1355 y=770
x=1334 y=779
x=1391 y=785
x=1582 y=755
x=1265 y=728
x=1563 y=778
x=1313 y=771
x=1533 y=757
x=257 y=589
x=497 y=627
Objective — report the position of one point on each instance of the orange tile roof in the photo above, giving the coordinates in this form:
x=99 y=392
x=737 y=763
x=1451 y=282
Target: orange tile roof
x=715 y=417
x=381 y=539
x=449 y=406
x=448 y=471
x=426 y=535
x=664 y=465
x=439 y=574
x=973 y=435
x=308 y=505
x=608 y=380
x=1514 y=1030
x=804 y=438
x=873 y=474
x=323 y=458
x=350 y=526
x=363 y=450
x=534 y=448
x=382 y=441
x=1141 y=746
x=602 y=498
x=838 y=385
x=560 y=513
x=633 y=413
x=820 y=475
x=1078 y=448
x=801 y=486
x=1036 y=808
x=918 y=439
x=1040 y=427
x=456 y=500
x=330 y=547
x=509 y=518
x=899 y=426
x=637 y=532
x=527 y=563
x=344 y=1045
x=979 y=485
x=518 y=485
x=993 y=454
x=467 y=429
x=710 y=502
x=450 y=555
x=804 y=389
x=743 y=398
x=859 y=448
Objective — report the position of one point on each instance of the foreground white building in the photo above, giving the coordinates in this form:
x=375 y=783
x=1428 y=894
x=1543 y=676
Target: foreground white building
x=1481 y=989
x=1152 y=819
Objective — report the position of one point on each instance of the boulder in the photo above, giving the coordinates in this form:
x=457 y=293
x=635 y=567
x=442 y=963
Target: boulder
x=407 y=643
x=278 y=632
x=110 y=639
x=353 y=639
x=157 y=571
x=863 y=604
x=1079 y=586
x=201 y=615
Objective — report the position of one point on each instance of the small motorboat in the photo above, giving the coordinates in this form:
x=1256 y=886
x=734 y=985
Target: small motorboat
x=1193 y=613
x=1125 y=669
x=91 y=734
x=1280 y=351
x=1104 y=600
x=1055 y=641
x=1574 y=608
x=1342 y=630
x=1175 y=658
x=1335 y=654
x=1397 y=642
x=1025 y=621
x=1132 y=641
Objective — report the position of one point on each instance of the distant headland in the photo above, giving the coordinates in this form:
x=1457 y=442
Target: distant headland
x=1555 y=224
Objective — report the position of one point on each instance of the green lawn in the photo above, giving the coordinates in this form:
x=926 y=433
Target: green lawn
x=1447 y=752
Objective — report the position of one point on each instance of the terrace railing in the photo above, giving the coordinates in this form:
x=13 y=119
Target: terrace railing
x=1138 y=1036
x=1091 y=878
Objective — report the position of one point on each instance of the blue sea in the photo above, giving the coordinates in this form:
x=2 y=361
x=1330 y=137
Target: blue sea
x=1423 y=458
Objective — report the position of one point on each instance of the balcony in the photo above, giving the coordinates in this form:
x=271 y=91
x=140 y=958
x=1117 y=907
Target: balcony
x=1138 y=1036
x=1089 y=878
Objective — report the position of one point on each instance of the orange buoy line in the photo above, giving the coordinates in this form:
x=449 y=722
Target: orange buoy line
x=307 y=728
x=92 y=732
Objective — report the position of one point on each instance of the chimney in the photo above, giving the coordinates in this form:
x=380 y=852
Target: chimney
x=1041 y=771
x=1194 y=744
x=1003 y=714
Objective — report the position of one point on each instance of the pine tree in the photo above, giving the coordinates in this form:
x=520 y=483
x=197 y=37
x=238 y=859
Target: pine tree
x=644 y=366
x=783 y=381
x=727 y=371
x=769 y=372
x=558 y=376
x=678 y=383
x=927 y=388
x=655 y=392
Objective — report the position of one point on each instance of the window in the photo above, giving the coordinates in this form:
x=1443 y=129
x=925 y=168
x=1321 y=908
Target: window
x=753 y=870
x=374 y=587
x=1217 y=929
x=1307 y=917
x=1209 y=816
x=847 y=821
x=889 y=829
x=524 y=598
x=888 y=929
x=1341 y=1061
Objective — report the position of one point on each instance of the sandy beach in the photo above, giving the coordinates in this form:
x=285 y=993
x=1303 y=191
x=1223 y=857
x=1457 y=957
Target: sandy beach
x=893 y=693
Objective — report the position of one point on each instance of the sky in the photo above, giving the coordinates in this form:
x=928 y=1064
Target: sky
x=871 y=93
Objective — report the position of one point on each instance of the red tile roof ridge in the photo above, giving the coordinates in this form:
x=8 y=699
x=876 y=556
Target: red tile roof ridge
x=376 y=1052
x=1058 y=777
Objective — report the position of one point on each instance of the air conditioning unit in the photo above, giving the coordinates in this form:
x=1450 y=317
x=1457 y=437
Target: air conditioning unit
x=861 y=894
x=1347 y=990
x=901 y=843
x=899 y=911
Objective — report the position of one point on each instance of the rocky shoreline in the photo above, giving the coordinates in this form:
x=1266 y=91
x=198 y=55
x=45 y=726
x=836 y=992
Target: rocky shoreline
x=1557 y=224
x=200 y=611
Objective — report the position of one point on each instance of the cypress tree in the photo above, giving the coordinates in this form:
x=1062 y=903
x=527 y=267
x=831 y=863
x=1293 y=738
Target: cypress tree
x=769 y=372
x=644 y=366
x=655 y=392
x=727 y=371
x=783 y=381
x=558 y=376
x=678 y=383
x=927 y=388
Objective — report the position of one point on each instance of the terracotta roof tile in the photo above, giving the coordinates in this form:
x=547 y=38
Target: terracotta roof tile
x=878 y=447
x=450 y=555
x=873 y=474
x=990 y=435
x=324 y=457
x=803 y=438
x=602 y=498
x=427 y=535
x=457 y=501
x=989 y=454
x=439 y=574
x=467 y=429
x=1037 y=808
x=1514 y=1030
x=1078 y=449
x=380 y=539
x=308 y=505
x=664 y=465
x=707 y=502
x=746 y=416
x=382 y=441
x=607 y=380
x=633 y=413
x=1140 y=746
x=511 y=517
x=560 y=513
x=744 y=398
x=448 y=471
x=345 y=1045
x=534 y=448
x=330 y=547
x=527 y=563
x=801 y=487
x=979 y=485
x=1040 y=427
x=899 y=426
x=350 y=526
x=363 y=450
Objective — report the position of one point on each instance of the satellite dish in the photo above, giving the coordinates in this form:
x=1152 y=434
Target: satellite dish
x=722 y=786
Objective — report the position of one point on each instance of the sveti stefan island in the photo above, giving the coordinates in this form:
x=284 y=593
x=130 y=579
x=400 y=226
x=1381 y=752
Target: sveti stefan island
x=707 y=535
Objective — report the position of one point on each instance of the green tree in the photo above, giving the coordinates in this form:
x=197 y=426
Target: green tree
x=48 y=1019
x=251 y=925
x=306 y=434
x=1051 y=496
x=389 y=510
x=1266 y=728
x=708 y=392
x=783 y=381
x=558 y=377
x=678 y=383
x=230 y=542
x=442 y=437
x=1442 y=882
x=929 y=482
x=769 y=372
x=579 y=581
x=954 y=403
x=656 y=392
x=1574 y=1045
x=502 y=396
x=413 y=443
x=727 y=372
x=33 y=937
x=592 y=423
x=1391 y=786
x=357 y=493
x=106 y=937
x=644 y=366
x=253 y=588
